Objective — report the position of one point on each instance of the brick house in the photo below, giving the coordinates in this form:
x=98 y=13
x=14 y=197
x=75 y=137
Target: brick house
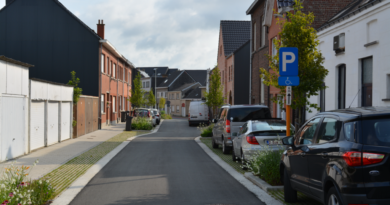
x=233 y=37
x=264 y=30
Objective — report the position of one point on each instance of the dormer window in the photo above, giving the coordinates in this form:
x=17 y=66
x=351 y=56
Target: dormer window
x=339 y=43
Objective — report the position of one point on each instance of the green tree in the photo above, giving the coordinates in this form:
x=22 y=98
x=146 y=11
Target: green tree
x=137 y=93
x=214 y=98
x=162 y=102
x=151 y=99
x=297 y=32
x=76 y=90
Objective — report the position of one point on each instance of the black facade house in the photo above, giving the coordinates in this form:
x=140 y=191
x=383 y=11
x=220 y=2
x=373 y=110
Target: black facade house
x=48 y=35
x=241 y=73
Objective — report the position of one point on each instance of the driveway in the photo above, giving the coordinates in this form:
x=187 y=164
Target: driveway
x=167 y=167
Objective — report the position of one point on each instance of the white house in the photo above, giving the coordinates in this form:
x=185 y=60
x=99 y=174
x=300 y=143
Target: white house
x=14 y=94
x=355 y=44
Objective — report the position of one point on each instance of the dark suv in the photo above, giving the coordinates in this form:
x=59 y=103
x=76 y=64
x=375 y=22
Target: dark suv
x=340 y=157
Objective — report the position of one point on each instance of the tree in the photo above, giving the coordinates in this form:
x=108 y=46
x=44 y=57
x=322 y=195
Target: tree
x=214 y=98
x=137 y=93
x=162 y=102
x=297 y=32
x=76 y=90
x=151 y=99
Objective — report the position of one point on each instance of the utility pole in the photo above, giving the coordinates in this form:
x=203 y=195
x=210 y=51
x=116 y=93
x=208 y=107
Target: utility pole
x=155 y=86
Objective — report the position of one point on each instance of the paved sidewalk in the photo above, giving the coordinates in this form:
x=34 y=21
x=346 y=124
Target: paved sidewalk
x=56 y=155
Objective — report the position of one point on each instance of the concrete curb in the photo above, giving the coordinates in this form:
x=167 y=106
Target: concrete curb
x=261 y=183
x=260 y=193
x=67 y=196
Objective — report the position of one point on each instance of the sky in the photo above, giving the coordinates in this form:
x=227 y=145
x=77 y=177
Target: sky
x=175 y=33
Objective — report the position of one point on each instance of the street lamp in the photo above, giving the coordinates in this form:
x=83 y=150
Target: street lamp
x=155 y=86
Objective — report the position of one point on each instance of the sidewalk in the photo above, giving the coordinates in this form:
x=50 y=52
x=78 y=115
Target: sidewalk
x=56 y=155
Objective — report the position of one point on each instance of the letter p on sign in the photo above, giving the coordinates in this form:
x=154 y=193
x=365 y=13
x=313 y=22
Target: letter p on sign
x=288 y=61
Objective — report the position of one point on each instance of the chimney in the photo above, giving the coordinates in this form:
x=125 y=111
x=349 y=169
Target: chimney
x=100 y=29
x=7 y=2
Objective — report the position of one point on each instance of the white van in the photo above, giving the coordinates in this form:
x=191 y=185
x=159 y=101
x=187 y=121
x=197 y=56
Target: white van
x=199 y=113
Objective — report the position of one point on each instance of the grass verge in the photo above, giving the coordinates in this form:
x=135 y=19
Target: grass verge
x=279 y=195
x=62 y=177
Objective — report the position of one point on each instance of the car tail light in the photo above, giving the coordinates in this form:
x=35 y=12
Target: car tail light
x=354 y=159
x=227 y=126
x=251 y=139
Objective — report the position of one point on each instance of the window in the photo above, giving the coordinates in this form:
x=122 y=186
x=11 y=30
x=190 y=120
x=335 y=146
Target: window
x=274 y=51
x=339 y=43
x=341 y=87
x=367 y=82
x=177 y=96
x=177 y=108
x=123 y=74
x=372 y=31
x=102 y=103
x=113 y=104
x=350 y=131
x=147 y=84
x=108 y=66
x=114 y=70
x=308 y=131
x=173 y=108
x=143 y=84
x=328 y=131
x=102 y=63
x=120 y=103
x=254 y=37
x=262 y=90
x=322 y=98
x=245 y=114
x=262 y=43
x=158 y=94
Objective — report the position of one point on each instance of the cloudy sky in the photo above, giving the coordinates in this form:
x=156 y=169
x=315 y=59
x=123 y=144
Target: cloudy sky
x=176 y=33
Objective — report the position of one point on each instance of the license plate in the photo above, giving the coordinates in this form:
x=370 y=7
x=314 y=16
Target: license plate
x=273 y=142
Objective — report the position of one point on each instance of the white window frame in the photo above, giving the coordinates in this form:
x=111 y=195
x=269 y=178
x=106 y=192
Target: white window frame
x=102 y=63
x=113 y=104
x=114 y=70
x=102 y=103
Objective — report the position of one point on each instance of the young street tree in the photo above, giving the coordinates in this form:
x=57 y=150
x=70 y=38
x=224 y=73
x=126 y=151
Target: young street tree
x=137 y=94
x=151 y=99
x=297 y=32
x=161 y=104
x=214 y=98
x=76 y=90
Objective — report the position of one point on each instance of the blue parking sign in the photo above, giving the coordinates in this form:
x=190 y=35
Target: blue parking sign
x=288 y=80
x=288 y=61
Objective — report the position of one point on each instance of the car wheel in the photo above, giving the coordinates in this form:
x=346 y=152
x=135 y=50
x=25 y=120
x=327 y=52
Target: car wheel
x=234 y=158
x=213 y=144
x=333 y=197
x=243 y=161
x=225 y=150
x=290 y=195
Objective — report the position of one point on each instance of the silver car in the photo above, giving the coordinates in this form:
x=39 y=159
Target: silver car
x=157 y=115
x=255 y=134
x=231 y=118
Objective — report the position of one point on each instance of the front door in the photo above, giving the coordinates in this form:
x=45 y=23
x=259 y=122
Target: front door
x=298 y=159
x=367 y=82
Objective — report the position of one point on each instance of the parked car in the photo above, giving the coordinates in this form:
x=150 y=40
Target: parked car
x=158 y=116
x=199 y=113
x=145 y=112
x=231 y=118
x=255 y=134
x=340 y=157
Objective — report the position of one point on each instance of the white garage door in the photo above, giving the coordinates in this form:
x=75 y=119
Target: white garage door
x=52 y=123
x=12 y=125
x=37 y=124
x=65 y=121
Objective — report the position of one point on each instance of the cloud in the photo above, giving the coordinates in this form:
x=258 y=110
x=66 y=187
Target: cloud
x=176 y=33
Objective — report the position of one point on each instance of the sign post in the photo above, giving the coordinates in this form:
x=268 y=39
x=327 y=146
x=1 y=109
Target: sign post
x=288 y=70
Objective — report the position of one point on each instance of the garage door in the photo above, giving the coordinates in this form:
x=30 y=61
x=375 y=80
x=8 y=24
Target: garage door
x=65 y=121
x=37 y=124
x=52 y=123
x=12 y=125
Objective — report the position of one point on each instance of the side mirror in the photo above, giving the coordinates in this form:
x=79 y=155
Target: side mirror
x=288 y=141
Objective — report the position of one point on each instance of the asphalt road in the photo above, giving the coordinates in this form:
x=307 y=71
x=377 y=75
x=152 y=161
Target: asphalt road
x=167 y=167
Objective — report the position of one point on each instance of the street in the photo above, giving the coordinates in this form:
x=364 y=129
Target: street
x=167 y=167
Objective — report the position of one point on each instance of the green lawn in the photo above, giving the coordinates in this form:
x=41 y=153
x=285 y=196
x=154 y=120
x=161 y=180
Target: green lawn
x=302 y=198
x=62 y=177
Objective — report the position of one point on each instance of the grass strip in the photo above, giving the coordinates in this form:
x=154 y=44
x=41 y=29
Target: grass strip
x=279 y=195
x=62 y=177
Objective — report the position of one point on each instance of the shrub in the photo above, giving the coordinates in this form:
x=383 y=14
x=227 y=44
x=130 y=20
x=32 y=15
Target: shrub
x=141 y=123
x=265 y=164
x=166 y=116
x=15 y=189
x=162 y=112
x=206 y=131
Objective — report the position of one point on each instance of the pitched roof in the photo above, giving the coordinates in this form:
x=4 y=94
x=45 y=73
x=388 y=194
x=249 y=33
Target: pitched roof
x=234 y=34
x=170 y=79
x=199 y=76
x=353 y=8
x=194 y=94
x=172 y=70
x=150 y=70
x=186 y=86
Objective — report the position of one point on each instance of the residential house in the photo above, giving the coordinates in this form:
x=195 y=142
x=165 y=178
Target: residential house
x=264 y=30
x=234 y=69
x=48 y=35
x=355 y=46
x=181 y=97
